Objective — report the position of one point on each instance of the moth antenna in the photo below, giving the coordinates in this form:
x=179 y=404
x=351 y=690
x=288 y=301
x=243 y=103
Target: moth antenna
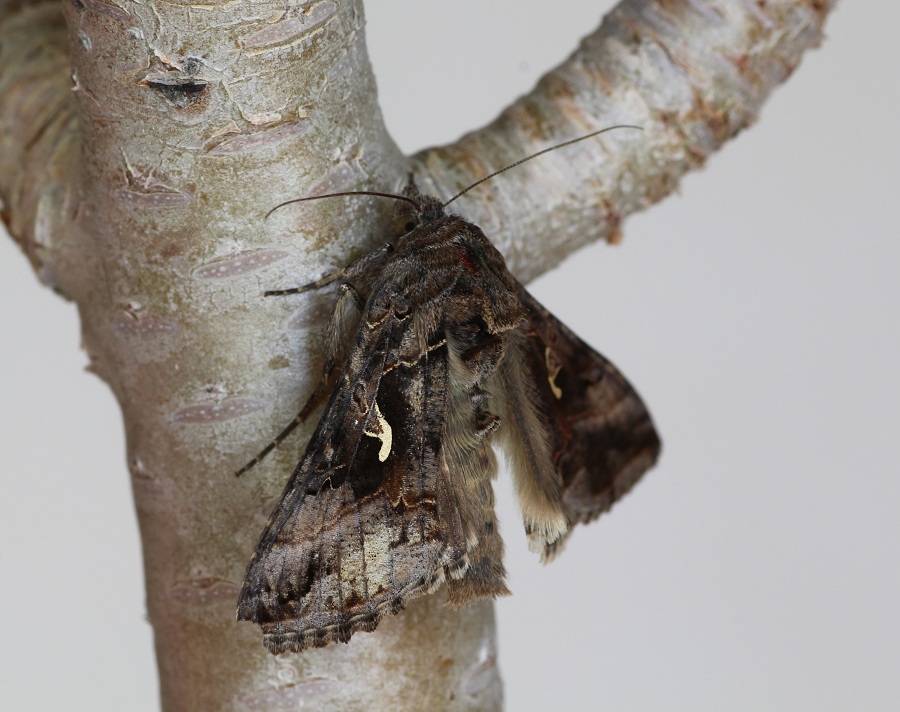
x=338 y=195
x=540 y=153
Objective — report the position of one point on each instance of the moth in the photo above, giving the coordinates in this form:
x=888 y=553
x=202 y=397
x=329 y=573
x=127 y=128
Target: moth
x=435 y=352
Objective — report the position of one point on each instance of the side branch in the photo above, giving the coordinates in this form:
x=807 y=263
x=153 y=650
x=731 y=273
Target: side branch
x=692 y=74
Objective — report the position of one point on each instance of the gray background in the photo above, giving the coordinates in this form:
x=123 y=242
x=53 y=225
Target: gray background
x=755 y=569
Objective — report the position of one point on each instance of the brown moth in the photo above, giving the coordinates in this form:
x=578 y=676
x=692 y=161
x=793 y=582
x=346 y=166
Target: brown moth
x=435 y=351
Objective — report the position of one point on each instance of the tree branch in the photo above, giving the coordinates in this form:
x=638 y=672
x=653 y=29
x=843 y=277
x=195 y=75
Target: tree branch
x=148 y=212
x=693 y=74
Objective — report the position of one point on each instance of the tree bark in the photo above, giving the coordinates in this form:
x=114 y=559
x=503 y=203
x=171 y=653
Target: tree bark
x=142 y=195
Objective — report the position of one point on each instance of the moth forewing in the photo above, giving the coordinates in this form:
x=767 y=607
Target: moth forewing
x=363 y=525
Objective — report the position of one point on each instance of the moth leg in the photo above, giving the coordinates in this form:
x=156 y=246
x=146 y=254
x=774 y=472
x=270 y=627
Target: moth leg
x=357 y=268
x=343 y=320
x=318 y=284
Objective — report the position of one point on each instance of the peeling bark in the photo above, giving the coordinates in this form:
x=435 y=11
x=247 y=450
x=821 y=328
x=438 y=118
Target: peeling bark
x=141 y=195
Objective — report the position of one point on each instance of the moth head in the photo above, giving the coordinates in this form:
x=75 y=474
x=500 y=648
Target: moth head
x=414 y=209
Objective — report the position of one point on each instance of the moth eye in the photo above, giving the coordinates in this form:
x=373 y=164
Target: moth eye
x=404 y=222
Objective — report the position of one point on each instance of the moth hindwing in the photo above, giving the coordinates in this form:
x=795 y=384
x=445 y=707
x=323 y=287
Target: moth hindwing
x=434 y=351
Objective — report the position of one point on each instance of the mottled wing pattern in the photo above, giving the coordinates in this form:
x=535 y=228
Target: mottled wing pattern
x=601 y=434
x=369 y=519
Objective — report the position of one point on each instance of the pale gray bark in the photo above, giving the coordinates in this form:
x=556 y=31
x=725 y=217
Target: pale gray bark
x=141 y=196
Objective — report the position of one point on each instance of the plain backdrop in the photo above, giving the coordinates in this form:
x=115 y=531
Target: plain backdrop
x=757 y=568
